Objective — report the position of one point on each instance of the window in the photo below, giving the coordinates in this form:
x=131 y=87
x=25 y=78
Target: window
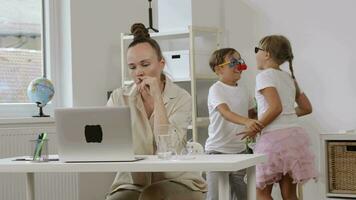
x=21 y=54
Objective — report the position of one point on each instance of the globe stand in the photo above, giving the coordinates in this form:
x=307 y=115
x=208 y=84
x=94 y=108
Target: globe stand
x=40 y=114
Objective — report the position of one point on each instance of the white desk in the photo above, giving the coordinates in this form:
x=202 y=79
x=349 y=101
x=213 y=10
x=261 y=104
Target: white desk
x=219 y=163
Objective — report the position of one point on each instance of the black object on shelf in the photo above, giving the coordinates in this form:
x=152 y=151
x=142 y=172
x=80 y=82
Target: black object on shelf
x=150 y=18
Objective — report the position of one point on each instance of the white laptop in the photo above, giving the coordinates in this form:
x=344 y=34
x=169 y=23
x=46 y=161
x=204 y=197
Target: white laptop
x=91 y=134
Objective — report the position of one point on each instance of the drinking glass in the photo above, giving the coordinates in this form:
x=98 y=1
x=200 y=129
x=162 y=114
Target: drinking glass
x=166 y=141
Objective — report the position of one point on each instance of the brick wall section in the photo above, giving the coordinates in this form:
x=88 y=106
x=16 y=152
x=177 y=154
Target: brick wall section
x=17 y=68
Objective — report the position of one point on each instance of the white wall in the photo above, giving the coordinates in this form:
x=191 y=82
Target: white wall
x=239 y=27
x=323 y=42
x=206 y=13
x=95 y=45
x=178 y=15
x=174 y=15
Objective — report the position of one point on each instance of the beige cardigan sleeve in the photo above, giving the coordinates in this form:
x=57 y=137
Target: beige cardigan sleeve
x=116 y=98
x=180 y=116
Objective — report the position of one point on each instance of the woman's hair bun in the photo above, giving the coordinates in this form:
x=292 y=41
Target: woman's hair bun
x=138 y=30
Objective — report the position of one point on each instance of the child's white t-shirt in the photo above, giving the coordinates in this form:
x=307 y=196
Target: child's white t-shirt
x=285 y=87
x=222 y=133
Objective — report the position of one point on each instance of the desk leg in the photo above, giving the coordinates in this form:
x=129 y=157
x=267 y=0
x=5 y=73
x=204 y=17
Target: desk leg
x=224 y=185
x=251 y=183
x=30 y=186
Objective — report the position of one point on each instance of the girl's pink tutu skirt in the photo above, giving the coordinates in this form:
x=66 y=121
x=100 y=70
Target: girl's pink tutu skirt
x=288 y=152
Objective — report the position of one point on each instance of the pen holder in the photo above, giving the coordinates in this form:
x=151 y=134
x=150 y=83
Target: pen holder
x=39 y=151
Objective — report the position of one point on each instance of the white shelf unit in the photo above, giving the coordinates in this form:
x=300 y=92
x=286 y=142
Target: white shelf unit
x=191 y=34
x=324 y=139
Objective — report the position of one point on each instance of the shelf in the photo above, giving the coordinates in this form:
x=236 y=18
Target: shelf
x=175 y=34
x=206 y=29
x=173 y=80
x=128 y=82
x=196 y=78
x=338 y=136
x=187 y=79
x=164 y=35
x=201 y=122
x=205 y=77
x=324 y=139
x=341 y=195
x=181 y=79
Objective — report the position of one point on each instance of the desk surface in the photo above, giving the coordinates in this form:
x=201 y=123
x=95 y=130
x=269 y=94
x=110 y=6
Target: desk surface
x=150 y=164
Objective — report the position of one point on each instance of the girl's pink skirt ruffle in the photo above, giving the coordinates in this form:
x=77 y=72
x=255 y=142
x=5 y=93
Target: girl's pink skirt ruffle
x=288 y=152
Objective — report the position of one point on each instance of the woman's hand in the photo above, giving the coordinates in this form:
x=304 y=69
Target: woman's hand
x=149 y=86
x=253 y=125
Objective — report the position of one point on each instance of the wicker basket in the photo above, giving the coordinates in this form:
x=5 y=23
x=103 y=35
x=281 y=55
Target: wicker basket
x=342 y=167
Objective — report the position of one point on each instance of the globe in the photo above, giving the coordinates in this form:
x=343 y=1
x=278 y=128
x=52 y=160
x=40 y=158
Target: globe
x=40 y=91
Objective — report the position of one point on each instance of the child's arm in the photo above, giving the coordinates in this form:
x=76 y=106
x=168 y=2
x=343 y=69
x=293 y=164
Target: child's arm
x=274 y=109
x=274 y=105
x=304 y=106
x=251 y=124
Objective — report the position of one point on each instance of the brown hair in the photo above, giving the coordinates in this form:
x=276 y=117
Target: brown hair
x=219 y=55
x=279 y=48
x=141 y=35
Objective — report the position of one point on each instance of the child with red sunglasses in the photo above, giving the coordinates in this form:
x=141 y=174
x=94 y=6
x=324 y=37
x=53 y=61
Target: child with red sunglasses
x=229 y=102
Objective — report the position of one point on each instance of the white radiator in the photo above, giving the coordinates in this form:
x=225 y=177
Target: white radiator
x=48 y=186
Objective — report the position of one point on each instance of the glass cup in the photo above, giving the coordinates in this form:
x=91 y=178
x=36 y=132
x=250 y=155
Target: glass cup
x=39 y=151
x=166 y=141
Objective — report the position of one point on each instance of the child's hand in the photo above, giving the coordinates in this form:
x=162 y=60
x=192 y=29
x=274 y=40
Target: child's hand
x=248 y=134
x=254 y=125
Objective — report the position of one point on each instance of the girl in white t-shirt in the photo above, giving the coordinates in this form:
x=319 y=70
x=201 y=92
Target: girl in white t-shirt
x=229 y=102
x=286 y=144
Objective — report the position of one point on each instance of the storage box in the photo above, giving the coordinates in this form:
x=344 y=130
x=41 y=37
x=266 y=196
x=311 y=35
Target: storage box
x=177 y=65
x=341 y=161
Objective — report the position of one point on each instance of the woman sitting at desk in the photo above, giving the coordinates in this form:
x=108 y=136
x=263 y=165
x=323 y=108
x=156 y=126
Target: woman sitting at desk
x=153 y=100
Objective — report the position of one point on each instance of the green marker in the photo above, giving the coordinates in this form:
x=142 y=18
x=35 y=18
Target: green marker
x=38 y=150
